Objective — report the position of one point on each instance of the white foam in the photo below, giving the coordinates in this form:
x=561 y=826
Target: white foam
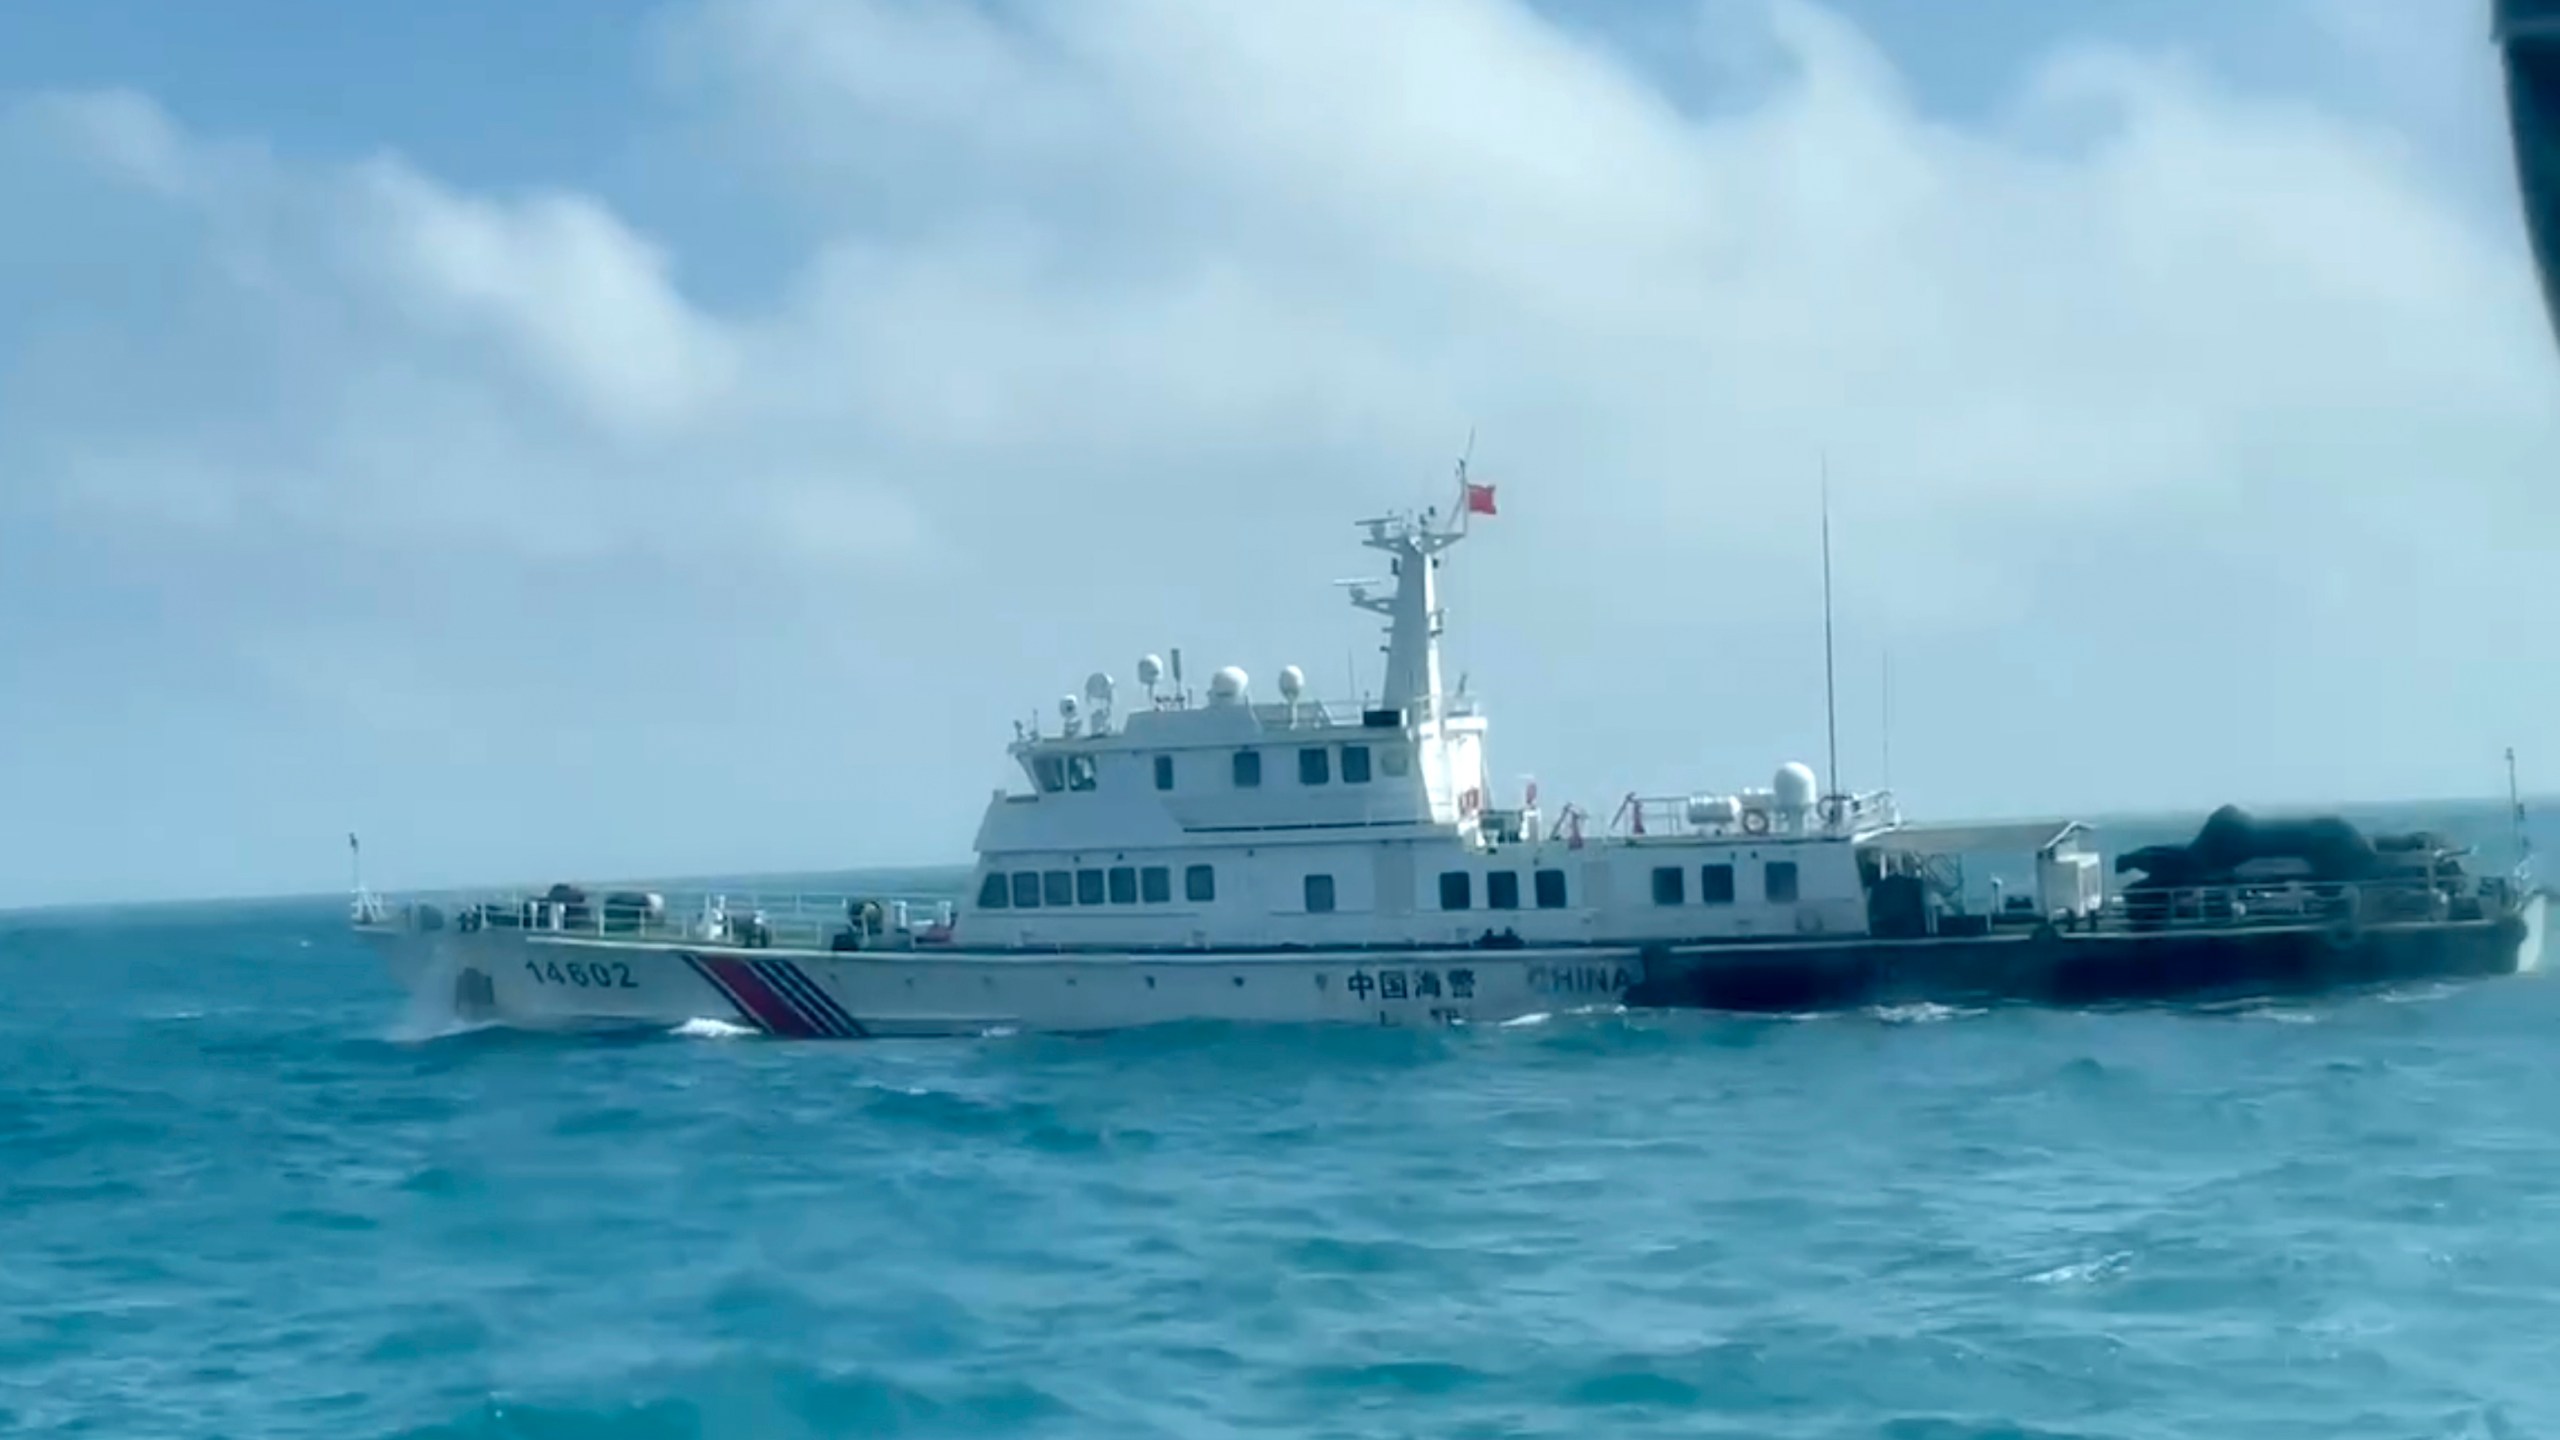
x=705 y=1028
x=429 y=1013
x=1925 y=1012
x=2420 y=994
x=2105 y=1267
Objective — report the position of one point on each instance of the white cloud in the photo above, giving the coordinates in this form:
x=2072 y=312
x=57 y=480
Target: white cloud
x=564 y=286
x=1120 y=307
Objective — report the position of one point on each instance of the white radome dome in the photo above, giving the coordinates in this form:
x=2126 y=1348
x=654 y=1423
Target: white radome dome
x=1795 y=787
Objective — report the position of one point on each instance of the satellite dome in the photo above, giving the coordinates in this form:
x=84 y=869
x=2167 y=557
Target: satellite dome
x=1794 y=787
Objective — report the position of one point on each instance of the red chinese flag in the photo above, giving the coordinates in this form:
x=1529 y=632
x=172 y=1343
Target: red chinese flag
x=1479 y=499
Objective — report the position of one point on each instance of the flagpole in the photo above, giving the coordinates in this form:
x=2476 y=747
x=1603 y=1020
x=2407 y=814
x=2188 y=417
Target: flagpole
x=1466 y=511
x=1830 y=698
x=2515 y=809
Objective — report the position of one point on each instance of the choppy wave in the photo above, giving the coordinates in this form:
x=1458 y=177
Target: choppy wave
x=242 y=1199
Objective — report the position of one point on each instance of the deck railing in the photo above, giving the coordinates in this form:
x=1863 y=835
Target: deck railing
x=1655 y=817
x=801 y=920
x=2448 y=895
x=1305 y=712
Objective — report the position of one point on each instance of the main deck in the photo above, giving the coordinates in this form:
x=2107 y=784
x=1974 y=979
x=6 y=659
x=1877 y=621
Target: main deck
x=843 y=922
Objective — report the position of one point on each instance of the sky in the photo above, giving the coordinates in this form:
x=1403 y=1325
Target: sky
x=601 y=440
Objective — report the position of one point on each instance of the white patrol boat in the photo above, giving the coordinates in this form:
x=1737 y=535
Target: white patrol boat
x=1293 y=860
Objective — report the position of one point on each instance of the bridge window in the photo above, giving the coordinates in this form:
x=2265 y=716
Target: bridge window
x=1080 y=772
x=1715 y=884
x=1052 y=772
x=1155 y=885
x=992 y=892
x=1200 y=884
x=1026 y=889
x=1088 y=887
x=1319 y=894
x=1164 y=772
x=1670 y=885
x=1313 y=766
x=1057 y=887
x=1779 y=880
x=1550 y=889
x=1124 y=885
x=1502 y=890
x=1355 y=764
x=1248 y=769
x=1457 y=890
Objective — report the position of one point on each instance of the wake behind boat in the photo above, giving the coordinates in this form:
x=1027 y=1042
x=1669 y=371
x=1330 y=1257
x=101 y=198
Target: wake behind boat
x=1303 y=861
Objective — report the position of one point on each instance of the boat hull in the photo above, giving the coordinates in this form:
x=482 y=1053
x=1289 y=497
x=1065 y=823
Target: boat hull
x=549 y=981
x=2094 y=968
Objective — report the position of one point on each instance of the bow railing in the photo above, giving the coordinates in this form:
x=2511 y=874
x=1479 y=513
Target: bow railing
x=818 y=920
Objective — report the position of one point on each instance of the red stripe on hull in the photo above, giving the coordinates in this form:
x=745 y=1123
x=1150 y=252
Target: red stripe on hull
x=768 y=1009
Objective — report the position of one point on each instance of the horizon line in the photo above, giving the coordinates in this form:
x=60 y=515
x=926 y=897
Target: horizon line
x=2099 y=820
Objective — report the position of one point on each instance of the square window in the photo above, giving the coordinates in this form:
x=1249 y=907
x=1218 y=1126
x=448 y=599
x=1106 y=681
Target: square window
x=1124 y=885
x=1394 y=761
x=1155 y=885
x=1200 y=884
x=1248 y=769
x=992 y=893
x=1026 y=889
x=1715 y=884
x=1502 y=890
x=1319 y=894
x=1779 y=881
x=1670 y=885
x=1355 y=764
x=1550 y=889
x=1314 y=767
x=1457 y=890
x=1088 y=887
x=1057 y=887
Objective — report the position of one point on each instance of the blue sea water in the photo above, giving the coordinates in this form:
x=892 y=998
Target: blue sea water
x=244 y=1193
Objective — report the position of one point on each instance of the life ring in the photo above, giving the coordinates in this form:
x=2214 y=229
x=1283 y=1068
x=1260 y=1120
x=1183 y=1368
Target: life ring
x=2343 y=933
x=1755 y=822
x=1470 y=800
x=1832 y=810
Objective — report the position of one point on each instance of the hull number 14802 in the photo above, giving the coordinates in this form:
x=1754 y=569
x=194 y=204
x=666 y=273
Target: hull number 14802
x=588 y=975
